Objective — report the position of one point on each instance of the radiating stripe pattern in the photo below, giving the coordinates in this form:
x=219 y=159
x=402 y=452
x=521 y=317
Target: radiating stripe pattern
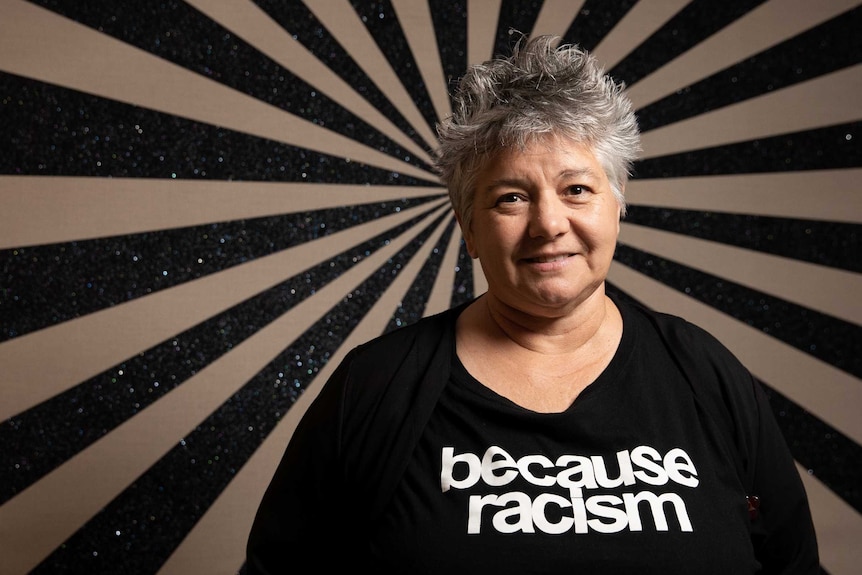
x=207 y=203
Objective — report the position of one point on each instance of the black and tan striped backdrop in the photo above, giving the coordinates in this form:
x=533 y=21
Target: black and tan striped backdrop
x=205 y=203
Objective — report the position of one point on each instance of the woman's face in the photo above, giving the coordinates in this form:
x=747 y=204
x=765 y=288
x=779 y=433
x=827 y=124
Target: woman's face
x=544 y=226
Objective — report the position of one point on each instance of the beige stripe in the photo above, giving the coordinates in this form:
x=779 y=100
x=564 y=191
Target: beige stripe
x=41 y=517
x=767 y=25
x=556 y=16
x=51 y=209
x=829 y=195
x=440 y=298
x=639 y=23
x=216 y=544
x=43 y=210
x=482 y=18
x=838 y=527
x=418 y=28
x=828 y=290
x=81 y=58
x=245 y=19
x=784 y=111
x=826 y=392
x=39 y=365
x=344 y=24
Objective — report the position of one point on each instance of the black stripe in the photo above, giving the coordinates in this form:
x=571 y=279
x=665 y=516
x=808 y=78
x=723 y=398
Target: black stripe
x=380 y=19
x=593 y=22
x=43 y=437
x=297 y=20
x=829 y=148
x=49 y=130
x=826 y=48
x=824 y=337
x=178 y=33
x=699 y=20
x=516 y=18
x=412 y=307
x=450 y=29
x=463 y=289
x=825 y=243
x=144 y=524
x=47 y=285
x=829 y=455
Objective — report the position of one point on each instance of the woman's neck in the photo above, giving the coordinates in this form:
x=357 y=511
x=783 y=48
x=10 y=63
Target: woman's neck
x=541 y=363
x=553 y=332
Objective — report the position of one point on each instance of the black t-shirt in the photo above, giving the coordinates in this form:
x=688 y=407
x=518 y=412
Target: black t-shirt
x=406 y=464
x=628 y=479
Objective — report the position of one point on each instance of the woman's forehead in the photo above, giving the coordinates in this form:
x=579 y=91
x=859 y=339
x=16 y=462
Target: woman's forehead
x=560 y=153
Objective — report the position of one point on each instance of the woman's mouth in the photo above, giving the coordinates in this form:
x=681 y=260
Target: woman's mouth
x=548 y=259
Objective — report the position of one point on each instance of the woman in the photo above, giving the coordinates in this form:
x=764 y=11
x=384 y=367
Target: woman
x=544 y=427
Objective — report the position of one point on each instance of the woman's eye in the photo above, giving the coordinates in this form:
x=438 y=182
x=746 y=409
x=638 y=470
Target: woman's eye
x=508 y=199
x=576 y=190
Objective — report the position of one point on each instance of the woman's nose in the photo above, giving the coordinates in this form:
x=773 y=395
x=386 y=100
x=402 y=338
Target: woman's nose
x=548 y=218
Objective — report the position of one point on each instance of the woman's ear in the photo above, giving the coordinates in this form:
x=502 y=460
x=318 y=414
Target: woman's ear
x=467 y=234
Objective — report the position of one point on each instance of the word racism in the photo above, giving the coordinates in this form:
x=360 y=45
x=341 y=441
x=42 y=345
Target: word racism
x=551 y=512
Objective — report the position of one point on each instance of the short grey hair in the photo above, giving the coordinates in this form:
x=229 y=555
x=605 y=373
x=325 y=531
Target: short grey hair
x=540 y=90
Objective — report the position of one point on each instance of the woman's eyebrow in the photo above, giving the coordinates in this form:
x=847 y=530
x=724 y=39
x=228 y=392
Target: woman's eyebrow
x=524 y=183
x=506 y=183
x=577 y=173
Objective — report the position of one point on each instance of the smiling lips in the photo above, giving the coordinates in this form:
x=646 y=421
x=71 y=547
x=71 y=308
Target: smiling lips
x=548 y=259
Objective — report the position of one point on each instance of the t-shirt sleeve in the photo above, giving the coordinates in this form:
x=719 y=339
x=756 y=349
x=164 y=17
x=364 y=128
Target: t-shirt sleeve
x=302 y=505
x=782 y=531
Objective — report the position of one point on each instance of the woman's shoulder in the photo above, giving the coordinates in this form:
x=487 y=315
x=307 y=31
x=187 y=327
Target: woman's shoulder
x=398 y=359
x=392 y=382
x=705 y=361
x=677 y=332
x=723 y=386
x=423 y=332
